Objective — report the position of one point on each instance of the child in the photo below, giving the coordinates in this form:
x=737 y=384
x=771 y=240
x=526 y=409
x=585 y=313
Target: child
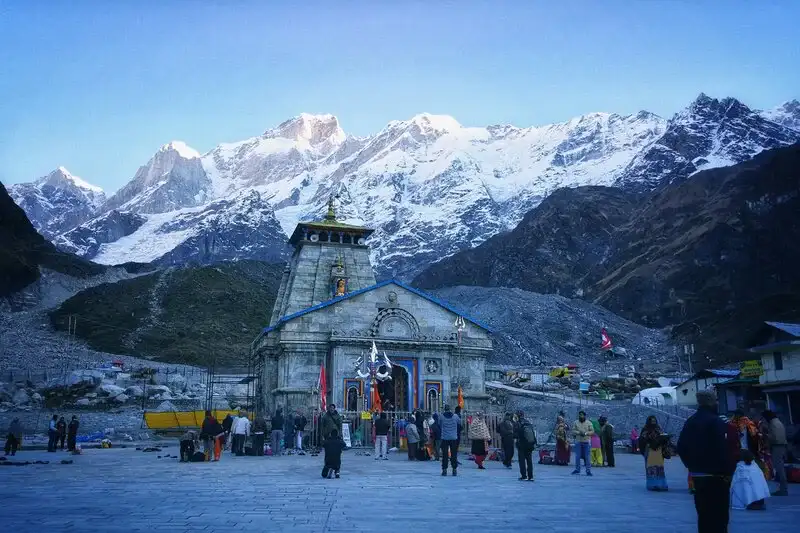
x=749 y=488
x=333 y=447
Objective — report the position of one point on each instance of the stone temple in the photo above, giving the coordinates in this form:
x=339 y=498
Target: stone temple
x=329 y=310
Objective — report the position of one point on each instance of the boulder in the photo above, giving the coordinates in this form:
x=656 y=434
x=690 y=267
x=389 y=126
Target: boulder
x=165 y=406
x=134 y=391
x=154 y=390
x=177 y=382
x=91 y=395
x=20 y=397
x=83 y=402
x=36 y=397
x=109 y=389
x=121 y=398
x=89 y=377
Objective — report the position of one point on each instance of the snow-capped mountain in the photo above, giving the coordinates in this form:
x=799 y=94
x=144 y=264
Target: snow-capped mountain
x=428 y=185
x=57 y=202
x=710 y=133
x=787 y=114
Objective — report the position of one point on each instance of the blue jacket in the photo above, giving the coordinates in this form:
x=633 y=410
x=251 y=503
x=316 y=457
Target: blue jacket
x=702 y=445
x=450 y=425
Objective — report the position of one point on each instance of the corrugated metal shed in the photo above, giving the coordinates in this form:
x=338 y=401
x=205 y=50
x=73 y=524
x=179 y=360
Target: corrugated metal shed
x=791 y=329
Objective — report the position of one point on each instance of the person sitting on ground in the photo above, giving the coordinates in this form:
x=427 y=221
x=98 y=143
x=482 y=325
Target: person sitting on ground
x=749 y=488
x=333 y=446
x=189 y=445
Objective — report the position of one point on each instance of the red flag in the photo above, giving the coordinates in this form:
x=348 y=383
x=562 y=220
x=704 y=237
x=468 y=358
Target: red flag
x=460 y=397
x=375 y=399
x=323 y=389
x=606 y=340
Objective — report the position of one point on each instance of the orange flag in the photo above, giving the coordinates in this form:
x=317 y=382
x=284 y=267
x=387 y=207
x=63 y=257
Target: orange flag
x=376 y=399
x=460 y=397
x=323 y=389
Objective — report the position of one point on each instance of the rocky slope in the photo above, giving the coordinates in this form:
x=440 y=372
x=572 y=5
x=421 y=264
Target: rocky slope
x=186 y=315
x=58 y=202
x=429 y=186
x=24 y=252
x=722 y=242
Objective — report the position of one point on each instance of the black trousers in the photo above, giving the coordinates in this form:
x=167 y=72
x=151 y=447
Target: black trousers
x=412 y=450
x=451 y=447
x=334 y=464
x=238 y=444
x=11 y=444
x=187 y=450
x=61 y=438
x=71 y=441
x=508 y=451
x=712 y=501
x=258 y=443
x=608 y=448
x=52 y=440
x=525 y=462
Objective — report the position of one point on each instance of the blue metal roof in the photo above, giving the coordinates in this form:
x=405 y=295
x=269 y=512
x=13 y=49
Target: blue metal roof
x=791 y=329
x=724 y=372
x=349 y=295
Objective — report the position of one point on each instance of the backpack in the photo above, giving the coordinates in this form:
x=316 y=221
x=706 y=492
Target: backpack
x=529 y=435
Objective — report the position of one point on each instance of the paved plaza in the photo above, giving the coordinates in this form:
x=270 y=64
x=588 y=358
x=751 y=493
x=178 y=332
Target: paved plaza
x=128 y=490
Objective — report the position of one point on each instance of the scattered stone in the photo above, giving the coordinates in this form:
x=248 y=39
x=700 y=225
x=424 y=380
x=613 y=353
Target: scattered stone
x=134 y=391
x=20 y=397
x=83 y=402
x=66 y=461
x=110 y=389
x=121 y=398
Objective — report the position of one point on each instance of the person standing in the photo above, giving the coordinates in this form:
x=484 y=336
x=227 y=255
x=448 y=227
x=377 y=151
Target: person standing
x=506 y=431
x=480 y=438
x=412 y=438
x=607 y=441
x=526 y=442
x=227 y=425
x=596 y=452
x=72 y=433
x=381 y=436
x=52 y=434
x=288 y=433
x=240 y=430
x=277 y=432
x=450 y=425
x=562 y=442
x=634 y=441
x=582 y=431
x=436 y=436
x=61 y=427
x=776 y=436
x=653 y=443
x=213 y=436
x=300 y=423
x=330 y=421
x=259 y=435
x=14 y=437
x=703 y=449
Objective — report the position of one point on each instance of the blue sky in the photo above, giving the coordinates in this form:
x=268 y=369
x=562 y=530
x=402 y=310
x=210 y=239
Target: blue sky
x=98 y=86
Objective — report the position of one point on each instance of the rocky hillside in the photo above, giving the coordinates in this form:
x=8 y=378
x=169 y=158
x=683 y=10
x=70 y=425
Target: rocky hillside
x=428 y=185
x=23 y=251
x=186 y=315
x=721 y=243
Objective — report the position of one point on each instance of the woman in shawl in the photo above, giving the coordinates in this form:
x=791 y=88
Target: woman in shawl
x=562 y=442
x=765 y=455
x=597 y=450
x=653 y=443
x=480 y=437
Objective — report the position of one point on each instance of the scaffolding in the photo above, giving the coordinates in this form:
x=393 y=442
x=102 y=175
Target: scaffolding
x=235 y=384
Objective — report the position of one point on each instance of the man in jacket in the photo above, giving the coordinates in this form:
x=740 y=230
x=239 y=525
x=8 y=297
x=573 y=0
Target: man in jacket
x=331 y=420
x=450 y=427
x=412 y=437
x=300 y=422
x=702 y=446
x=277 y=432
x=227 y=424
x=776 y=435
x=381 y=437
x=607 y=441
x=240 y=430
x=72 y=433
x=259 y=435
x=506 y=431
x=582 y=430
x=213 y=435
x=14 y=437
x=525 y=446
x=52 y=434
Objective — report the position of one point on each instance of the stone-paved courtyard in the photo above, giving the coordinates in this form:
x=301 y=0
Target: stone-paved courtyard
x=128 y=490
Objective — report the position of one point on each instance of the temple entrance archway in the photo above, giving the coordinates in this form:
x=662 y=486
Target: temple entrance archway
x=395 y=390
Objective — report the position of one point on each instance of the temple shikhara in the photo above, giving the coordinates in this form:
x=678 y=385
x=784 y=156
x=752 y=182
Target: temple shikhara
x=330 y=310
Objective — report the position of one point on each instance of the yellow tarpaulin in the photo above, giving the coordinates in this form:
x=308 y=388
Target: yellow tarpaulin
x=181 y=419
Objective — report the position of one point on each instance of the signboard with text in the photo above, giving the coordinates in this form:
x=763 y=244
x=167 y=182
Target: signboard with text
x=751 y=369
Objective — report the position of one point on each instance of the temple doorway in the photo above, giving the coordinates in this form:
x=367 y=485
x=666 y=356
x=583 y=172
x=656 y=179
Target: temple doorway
x=394 y=392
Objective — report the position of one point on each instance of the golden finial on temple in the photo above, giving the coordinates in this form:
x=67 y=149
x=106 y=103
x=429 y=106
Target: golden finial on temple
x=331 y=216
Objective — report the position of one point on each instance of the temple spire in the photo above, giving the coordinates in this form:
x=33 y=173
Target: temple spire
x=331 y=216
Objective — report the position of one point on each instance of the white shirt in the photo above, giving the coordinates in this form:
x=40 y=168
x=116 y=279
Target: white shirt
x=241 y=426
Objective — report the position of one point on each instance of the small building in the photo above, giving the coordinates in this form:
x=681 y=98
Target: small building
x=705 y=379
x=780 y=360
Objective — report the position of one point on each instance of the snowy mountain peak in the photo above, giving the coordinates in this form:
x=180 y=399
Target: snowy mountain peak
x=787 y=114
x=428 y=123
x=61 y=177
x=182 y=149
x=308 y=128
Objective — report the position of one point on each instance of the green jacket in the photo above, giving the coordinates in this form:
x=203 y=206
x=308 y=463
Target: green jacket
x=329 y=422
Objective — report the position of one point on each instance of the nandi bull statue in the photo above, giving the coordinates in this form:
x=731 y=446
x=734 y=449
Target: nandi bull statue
x=370 y=369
